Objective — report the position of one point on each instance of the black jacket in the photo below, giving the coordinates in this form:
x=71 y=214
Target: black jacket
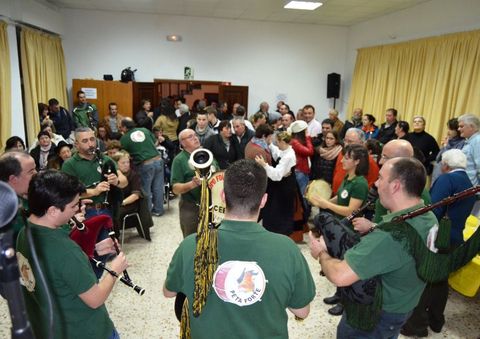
x=224 y=158
x=387 y=133
x=240 y=145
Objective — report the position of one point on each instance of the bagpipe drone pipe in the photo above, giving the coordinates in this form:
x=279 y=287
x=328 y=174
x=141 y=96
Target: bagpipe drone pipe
x=363 y=299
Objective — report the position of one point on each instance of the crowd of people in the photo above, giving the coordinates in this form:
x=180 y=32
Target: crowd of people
x=119 y=165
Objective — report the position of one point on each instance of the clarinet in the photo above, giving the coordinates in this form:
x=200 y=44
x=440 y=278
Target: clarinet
x=112 y=236
x=129 y=283
x=106 y=169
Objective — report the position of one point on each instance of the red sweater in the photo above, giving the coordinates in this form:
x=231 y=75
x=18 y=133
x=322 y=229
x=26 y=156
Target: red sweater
x=302 y=152
x=339 y=173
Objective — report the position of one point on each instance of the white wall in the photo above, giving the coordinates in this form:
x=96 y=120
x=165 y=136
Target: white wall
x=270 y=58
x=428 y=19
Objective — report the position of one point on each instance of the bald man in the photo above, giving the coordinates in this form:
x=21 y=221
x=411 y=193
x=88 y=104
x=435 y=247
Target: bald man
x=393 y=149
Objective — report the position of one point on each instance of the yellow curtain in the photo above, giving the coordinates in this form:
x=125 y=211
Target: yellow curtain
x=5 y=89
x=44 y=75
x=437 y=78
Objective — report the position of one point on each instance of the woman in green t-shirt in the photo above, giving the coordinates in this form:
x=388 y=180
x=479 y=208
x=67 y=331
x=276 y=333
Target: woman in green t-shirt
x=350 y=196
x=354 y=188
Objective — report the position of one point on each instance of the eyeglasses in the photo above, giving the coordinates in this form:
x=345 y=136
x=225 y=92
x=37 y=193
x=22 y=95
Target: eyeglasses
x=385 y=157
x=190 y=137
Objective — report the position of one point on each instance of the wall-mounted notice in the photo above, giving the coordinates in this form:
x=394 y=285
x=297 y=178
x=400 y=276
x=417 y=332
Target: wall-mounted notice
x=90 y=93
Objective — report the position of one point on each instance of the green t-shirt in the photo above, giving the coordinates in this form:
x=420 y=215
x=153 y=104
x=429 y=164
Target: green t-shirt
x=380 y=211
x=287 y=282
x=140 y=143
x=182 y=173
x=68 y=274
x=378 y=254
x=17 y=223
x=354 y=188
x=87 y=171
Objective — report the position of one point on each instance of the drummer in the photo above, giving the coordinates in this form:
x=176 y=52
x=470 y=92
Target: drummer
x=248 y=273
x=350 y=196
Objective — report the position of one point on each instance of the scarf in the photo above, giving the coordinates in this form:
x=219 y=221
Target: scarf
x=261 y=143
x=44 y=152
x=329 y=153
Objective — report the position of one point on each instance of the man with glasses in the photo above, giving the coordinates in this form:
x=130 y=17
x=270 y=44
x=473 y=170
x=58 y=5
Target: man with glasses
x=185 y=183
x=393 y=149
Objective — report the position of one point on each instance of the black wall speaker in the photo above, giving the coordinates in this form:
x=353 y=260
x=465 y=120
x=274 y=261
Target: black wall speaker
x=333 y=85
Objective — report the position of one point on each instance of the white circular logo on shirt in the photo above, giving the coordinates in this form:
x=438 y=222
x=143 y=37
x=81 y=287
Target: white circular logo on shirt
x=137 y=136
x=27 y=278
x=344 y=194
x=239 y=282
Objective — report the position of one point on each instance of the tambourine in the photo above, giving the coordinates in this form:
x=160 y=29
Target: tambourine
x=318 y=188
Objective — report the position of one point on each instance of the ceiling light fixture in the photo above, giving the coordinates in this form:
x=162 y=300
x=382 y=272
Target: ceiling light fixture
x=305 y=5
x=174 y=38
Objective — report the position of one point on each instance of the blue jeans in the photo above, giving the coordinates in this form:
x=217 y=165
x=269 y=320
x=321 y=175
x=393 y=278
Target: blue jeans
x=151 y=175
x=388 y=327
x=114 y=335
x=302 y=180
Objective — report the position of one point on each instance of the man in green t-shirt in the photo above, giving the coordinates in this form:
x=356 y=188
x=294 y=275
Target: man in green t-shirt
x=185 y=183
x=77 y=298
x=400 y=184
x=260 y=274
x=140 y=143
x=393 y=149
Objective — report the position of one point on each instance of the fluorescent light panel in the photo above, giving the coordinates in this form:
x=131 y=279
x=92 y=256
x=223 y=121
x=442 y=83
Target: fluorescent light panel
x=305 y=5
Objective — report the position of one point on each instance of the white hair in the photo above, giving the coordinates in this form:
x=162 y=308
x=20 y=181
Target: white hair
x=454 y=159
x=471 y=120
x=238 y=118
x=358 y=132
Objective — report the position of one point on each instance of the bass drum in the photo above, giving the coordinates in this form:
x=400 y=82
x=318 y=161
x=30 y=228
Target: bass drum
x=215 y=185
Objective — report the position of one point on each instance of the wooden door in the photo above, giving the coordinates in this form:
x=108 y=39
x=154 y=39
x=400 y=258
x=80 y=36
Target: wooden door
x=143 y=90
x=233 y=94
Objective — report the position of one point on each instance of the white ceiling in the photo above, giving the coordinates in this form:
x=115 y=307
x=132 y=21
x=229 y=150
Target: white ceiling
x=333 y=12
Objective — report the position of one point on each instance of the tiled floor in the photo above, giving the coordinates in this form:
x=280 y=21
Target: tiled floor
x=152 y=316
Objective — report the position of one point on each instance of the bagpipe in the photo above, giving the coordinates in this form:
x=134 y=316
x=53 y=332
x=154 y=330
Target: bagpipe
x=363 y=299
x=85 y=234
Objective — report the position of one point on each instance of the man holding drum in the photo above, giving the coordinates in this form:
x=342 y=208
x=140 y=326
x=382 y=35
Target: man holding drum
x=260 y=274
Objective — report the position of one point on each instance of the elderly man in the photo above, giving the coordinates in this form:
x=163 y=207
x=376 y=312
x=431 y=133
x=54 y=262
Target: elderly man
x=429 y=311
x=248 y=255
x=140 y=143
x=17 y=169
x=337 y=124
x=356 y=122
x=241 y=137
x=314 y=127
x=185 y=183
x=354 y=136
x=378 y=254
x=469 y=128
x=387 y=129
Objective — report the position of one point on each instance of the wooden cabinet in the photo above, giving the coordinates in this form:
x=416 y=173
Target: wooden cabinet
x=128 y=96
x=107 y=91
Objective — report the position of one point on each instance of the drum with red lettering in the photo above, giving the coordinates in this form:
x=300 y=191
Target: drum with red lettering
x=239 y=282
